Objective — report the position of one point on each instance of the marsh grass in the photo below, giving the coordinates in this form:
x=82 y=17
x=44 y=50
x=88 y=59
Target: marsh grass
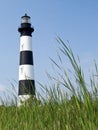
x=58 y=111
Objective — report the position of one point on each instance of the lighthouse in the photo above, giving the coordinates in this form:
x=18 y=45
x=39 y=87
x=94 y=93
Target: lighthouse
x=26 y=65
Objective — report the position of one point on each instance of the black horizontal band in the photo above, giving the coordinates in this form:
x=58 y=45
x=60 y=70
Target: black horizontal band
x=26 y=57
x=26 y=87
x=26 y=29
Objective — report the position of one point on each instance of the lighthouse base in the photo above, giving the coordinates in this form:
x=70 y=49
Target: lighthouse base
x=22 y=99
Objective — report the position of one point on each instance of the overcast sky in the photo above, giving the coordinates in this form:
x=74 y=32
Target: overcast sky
x=72 y=20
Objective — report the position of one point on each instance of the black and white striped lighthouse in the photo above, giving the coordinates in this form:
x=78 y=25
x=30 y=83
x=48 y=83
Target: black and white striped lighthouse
x=26 y=65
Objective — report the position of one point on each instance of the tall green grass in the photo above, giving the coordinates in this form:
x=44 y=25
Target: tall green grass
x=58 y=111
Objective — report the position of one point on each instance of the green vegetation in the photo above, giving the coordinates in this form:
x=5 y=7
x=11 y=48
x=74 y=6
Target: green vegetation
x=58 y=111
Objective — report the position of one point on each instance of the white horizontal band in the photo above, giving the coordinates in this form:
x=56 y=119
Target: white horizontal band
x=25 y=43
x=26 y=72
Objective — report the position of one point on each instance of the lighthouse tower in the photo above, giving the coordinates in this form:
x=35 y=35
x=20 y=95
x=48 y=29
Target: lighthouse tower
x=26 y=66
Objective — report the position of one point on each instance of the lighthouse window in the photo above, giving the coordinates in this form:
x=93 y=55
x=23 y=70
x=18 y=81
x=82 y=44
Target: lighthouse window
x=22 y=46
x=21 y=70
